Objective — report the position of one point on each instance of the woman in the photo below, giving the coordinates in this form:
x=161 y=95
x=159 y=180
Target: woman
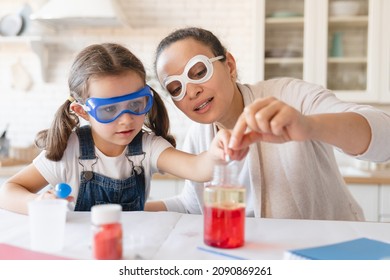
x=291 y=170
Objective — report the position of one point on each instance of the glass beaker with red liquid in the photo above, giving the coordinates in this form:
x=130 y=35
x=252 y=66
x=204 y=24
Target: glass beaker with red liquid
x=224 y=209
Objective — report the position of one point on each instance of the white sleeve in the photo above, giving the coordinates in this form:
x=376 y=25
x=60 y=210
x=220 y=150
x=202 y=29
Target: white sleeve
x=50 y=170
x=379 y=148
x=64 y=170
x=154 y=146
x=314 y=99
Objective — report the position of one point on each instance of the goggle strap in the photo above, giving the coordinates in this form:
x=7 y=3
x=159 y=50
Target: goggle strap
x=216 y=58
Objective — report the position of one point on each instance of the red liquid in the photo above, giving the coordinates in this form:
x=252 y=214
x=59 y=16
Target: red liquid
x=108 y=242
x=224 y=228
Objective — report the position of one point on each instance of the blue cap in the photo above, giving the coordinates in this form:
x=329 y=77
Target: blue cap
x=62 y=190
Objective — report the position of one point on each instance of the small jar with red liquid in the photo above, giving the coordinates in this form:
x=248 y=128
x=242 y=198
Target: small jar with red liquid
x=107 y=231
x=224 y=208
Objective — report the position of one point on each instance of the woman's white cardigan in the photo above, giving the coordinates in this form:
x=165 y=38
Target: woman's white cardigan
x=297 y=180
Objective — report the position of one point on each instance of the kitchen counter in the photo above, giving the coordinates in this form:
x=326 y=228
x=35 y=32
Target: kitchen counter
x=351 y=175
x=8 y=171
x=354 y=175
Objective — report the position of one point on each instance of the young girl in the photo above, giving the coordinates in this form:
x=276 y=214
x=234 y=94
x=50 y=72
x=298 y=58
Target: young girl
x=112 y=159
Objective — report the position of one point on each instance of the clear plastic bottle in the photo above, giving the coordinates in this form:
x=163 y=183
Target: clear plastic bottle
x=107 y=231
x=224 y=208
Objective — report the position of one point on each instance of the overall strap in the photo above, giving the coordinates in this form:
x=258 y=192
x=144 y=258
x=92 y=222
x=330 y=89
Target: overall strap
x=135 y=147
x=87 y=146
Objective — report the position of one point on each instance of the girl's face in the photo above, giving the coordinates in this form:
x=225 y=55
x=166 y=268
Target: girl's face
x=206 y=102
x=111 y=138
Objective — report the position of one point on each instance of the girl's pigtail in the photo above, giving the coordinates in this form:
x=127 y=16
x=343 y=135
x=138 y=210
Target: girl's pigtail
x=158 y=120
x=55 y=139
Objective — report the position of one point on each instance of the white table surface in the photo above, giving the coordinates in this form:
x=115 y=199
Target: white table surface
x=168 y=235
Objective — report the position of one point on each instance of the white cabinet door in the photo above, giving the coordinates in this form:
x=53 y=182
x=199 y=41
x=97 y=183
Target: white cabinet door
x=347 y=53
x=384 y=204
x=351 y=71
x=283 y=31
x=368 y=198
x=385 y=53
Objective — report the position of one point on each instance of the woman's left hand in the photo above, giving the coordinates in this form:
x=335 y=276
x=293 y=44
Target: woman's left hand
x=221 y=150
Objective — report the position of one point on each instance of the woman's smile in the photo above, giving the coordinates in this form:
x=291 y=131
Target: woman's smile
x=203 y=106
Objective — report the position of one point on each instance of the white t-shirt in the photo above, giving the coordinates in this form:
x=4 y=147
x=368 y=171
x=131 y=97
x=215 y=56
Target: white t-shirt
x=68 y=169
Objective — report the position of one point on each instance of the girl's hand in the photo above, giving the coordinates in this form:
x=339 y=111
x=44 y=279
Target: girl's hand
x=50 y=194
x=269 y=120
x=219 y=147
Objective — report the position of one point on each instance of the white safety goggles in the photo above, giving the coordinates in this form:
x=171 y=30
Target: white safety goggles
x=198 y=69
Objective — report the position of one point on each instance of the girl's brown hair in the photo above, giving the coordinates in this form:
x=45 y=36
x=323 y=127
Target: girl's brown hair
x=98 y=60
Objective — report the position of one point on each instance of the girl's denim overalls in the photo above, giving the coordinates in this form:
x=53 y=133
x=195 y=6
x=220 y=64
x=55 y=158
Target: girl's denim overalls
x=99 y=189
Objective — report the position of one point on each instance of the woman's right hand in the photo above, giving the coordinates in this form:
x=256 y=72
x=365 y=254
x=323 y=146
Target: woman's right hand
x=269 y=120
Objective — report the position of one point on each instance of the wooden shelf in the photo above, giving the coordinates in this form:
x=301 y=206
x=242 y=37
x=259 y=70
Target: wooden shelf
x=284 y=60
x=352 y=21
x=347 y=60
x=289 y=21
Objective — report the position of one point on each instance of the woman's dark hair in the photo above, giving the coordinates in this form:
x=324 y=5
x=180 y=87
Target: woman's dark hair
x=201 y=35
x=98 y=60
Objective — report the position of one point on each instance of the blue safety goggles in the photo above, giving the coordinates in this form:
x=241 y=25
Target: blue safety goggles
x=106 y=110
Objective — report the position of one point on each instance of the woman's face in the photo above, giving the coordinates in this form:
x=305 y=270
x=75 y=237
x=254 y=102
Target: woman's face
x=111 y=138
x=207 y=102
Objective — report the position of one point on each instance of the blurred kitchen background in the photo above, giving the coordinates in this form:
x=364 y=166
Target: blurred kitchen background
x=342 y=45
x=34 y=65
x=268 y=38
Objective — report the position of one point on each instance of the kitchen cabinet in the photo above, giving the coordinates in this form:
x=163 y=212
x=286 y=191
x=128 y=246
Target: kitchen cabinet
x=374 y=200
x=385 y=53
x=368 y=198
x=283 y=39
x=347 y=53
x=165 y=186
x=384 y=203
x=371 y=189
